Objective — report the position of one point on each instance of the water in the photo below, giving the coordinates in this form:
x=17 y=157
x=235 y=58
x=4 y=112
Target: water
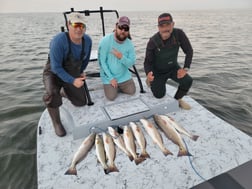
x=221 y=69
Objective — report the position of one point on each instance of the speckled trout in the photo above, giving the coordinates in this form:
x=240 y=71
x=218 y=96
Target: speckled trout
x=100 y=153
x=130 y=144
x=182 y=130
x=82 y=152
x=118 y=140
x=171 y=133
x=155 y=136
x=110 y=152
x=138 y=133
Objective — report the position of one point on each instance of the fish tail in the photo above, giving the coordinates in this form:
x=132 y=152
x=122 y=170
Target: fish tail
x=130 y=157
x=71 y=171
x=144 y=155
x=106 y=171
x=195 y=137
x=113 y=168
x=167 y=152
x=183 y=152
x=139 y=160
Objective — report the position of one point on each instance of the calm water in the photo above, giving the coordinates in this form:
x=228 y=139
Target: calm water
x=221 y=68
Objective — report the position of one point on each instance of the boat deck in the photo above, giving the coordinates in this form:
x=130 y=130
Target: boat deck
x=220 y=148
x=237 y=178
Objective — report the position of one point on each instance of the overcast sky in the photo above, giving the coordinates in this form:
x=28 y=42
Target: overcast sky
x=125 y=5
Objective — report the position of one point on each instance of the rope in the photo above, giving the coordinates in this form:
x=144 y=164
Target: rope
x=190 y=160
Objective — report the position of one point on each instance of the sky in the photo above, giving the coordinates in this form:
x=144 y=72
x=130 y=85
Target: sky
x=125 y=5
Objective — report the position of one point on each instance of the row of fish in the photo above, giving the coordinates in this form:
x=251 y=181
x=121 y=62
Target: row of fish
x=106 y=151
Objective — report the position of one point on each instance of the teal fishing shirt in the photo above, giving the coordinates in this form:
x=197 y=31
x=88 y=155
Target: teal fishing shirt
x=110 y=66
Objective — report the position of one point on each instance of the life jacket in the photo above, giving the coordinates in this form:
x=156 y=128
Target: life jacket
x=166 y=55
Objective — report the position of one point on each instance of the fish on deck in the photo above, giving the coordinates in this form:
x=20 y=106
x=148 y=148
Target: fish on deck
x=139 y=136
x=118 y=140
x=130 y=144
x=81 y=153
x=110 y=152
x=155 y=136
x=171 y=133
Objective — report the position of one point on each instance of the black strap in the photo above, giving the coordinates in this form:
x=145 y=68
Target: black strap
x=69 y=45
x=158 y=41
x=83 y=49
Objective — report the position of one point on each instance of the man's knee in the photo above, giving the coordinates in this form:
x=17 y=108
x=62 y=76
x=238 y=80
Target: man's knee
x=189 y=81
x=79 y=102
x=158 y=94
x=111 y=96
x=131 y=90
x=128 y=87
x=110 y=92
x=52 y=101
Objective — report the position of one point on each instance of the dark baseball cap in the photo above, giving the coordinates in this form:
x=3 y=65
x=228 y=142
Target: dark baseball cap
x=165 y=18
x=124 y=20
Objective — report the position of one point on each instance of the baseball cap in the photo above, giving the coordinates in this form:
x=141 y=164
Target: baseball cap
x=124 y=20
x=165 y=18
x=76 y=17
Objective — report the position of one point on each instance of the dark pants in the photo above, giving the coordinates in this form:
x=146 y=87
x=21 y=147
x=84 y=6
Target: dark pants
x=53 y=85
x=158 y=85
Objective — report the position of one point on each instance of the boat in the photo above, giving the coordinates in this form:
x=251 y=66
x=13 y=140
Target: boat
x=221 y=156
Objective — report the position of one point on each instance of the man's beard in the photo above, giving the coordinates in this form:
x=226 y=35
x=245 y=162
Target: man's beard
x=121 y=37
x=165 y=34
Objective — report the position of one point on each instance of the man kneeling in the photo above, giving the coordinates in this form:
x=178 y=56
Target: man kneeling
x=161 y=60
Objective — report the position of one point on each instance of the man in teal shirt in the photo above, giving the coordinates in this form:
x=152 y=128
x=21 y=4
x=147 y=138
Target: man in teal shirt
x=116 y=55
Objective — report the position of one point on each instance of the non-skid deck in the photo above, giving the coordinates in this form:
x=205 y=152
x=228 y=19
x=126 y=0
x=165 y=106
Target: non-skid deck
x=237 y=178
x=220 y=148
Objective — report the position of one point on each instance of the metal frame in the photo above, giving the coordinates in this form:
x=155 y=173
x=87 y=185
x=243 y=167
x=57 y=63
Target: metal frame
x=101 y=11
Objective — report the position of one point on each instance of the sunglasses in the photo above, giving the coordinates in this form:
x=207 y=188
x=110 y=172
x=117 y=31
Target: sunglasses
x=78 y=25
x=123 y=27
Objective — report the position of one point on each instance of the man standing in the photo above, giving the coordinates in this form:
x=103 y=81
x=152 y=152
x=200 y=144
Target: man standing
x=116 y=55
x=161 y=60
x=63 y=73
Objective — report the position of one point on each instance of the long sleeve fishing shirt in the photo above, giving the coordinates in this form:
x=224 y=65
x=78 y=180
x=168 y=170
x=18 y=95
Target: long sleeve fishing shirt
x=152 y=47
x=59 y=49
x=111 y=66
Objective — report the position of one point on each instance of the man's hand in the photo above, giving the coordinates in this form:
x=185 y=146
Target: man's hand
x=83 y=75
x=79 y=82
x=150 y=76
x=181 y=73
x=114 y=83
x=117 y=53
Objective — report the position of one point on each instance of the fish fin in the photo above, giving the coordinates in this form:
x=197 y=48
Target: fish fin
x=71 y=171
x=144 y=155
x=167 y=152
x=195 y=137
x=139 y=160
